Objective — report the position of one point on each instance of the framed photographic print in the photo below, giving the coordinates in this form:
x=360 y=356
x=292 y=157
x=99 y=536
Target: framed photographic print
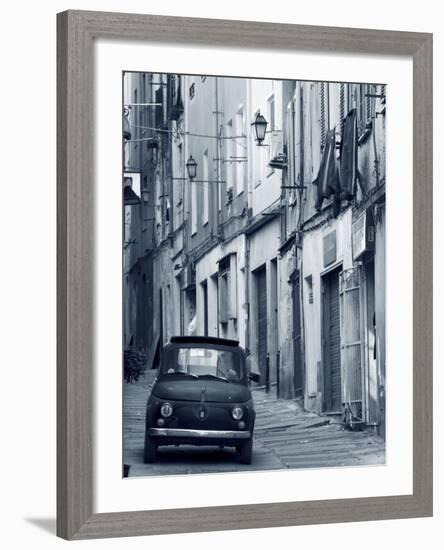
x=244 y=274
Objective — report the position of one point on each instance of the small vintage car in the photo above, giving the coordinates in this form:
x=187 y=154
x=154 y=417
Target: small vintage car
x=201 y=396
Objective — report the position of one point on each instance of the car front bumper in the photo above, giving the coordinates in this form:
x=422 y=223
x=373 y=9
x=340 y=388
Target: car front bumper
x=192 y=434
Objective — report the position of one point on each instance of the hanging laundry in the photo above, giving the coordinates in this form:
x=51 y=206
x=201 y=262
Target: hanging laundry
x=327 y=181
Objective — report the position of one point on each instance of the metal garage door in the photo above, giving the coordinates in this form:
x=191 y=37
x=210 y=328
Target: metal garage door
x=331 y=343
x=261 y=285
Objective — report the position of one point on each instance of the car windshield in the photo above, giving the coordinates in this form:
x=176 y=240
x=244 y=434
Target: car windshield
x=203 y=362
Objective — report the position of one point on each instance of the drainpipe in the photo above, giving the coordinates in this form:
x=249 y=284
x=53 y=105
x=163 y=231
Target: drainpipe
x=218 y=162
x=301 y=151
x=299 y=225
x=375 y=151
x=246 y=237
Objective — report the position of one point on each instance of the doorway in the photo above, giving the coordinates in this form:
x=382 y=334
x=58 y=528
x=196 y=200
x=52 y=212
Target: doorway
x=204 y=286
x=331 y=343
x=372 y=376
x=261 y=300
x=298 y=374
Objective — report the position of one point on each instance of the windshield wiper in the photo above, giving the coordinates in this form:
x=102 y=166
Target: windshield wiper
x=214 y=376
x=183 y=374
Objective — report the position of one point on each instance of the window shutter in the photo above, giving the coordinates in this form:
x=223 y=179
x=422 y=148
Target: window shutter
x=368 y=103
x=383 y=94
x=351 y=339
x=232 y=287
x=223 y=298
x=342 y=106
x=291 y=146
x=324 y=113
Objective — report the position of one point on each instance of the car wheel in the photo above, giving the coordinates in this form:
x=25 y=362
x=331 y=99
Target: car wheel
x=149 y=454
x=246 y=451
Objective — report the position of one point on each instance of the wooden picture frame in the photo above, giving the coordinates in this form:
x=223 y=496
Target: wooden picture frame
x=77 y=31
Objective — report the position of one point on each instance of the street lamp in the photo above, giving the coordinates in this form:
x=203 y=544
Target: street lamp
x=260 y=127
x=191 y=168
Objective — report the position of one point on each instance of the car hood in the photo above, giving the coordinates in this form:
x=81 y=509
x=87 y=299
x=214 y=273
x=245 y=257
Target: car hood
x=196 y=390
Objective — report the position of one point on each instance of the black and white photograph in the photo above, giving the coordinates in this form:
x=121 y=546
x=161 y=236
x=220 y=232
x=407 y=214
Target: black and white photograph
x=254 y=274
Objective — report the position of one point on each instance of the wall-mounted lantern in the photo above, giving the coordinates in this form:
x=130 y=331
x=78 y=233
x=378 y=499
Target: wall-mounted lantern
x=260 y=127
x=191 y=168
x=145 y=194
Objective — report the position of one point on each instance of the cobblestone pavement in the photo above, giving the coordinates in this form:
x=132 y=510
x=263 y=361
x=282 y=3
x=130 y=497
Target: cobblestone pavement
x=285 y=436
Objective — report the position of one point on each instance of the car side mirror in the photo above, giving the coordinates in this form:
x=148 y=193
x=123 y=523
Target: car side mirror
x=254 y=377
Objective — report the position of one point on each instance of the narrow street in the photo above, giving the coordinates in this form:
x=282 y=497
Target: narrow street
x=285 y=437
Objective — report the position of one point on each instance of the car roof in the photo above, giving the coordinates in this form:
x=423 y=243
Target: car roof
x=204 y=340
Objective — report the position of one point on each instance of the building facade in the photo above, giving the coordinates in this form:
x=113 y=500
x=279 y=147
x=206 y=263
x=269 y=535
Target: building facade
x=278 y=243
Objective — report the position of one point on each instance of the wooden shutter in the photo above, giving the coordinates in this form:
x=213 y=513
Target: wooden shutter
x=342 y=112
x=351 y=335
x=232 y=287
x=227 y=289
x=223 y=297
x=368 y=103
x=324 y=112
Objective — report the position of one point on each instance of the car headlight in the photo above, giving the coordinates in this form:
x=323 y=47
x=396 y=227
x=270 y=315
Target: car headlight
x=237 y=413
x=166 y=410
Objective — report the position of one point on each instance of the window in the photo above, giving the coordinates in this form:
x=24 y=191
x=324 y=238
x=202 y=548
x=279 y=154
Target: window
x=178 y=185
x=205 y=362
x=364 y=103
x=382 y=92
x=240 y=150
x=224 y=290
x=192 y=90
x=342 y=104
x=167 y=209
x=227 y=289
x=291 y=145
x=223 y=297
x=159 y=119
x=229 y=155
x=271 y=113
x=206 y=185
x=309 y=285
x=136 y=119
x=272 y=127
